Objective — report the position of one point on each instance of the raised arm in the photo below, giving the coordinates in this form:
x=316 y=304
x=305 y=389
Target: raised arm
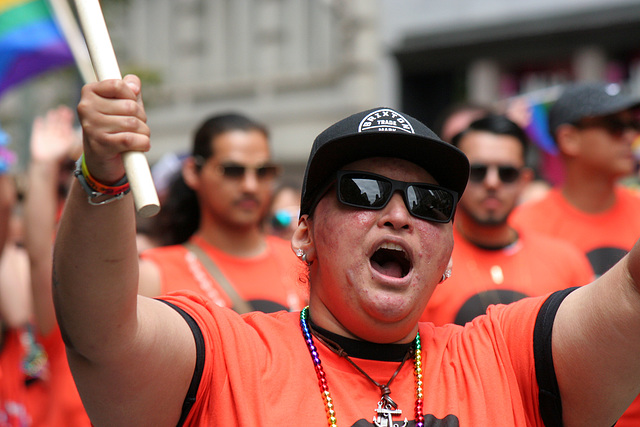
x=596 y=346
x=132 y=357
x=7 y=201
x=52 y=141
x=15 y=303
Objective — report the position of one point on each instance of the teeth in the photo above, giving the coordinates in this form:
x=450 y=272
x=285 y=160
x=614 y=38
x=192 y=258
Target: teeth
x=391 y=246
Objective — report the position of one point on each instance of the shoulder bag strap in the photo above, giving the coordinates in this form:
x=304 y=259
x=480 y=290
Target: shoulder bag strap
x=239 y=305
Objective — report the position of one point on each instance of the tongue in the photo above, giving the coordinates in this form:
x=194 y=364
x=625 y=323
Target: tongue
x=388 y=268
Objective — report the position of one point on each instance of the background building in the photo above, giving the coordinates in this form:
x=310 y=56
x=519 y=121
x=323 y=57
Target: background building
x=490 y=51
x=299 y=65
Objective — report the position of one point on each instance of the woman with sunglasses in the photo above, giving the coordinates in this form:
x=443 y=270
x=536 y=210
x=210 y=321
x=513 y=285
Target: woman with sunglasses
x=379 y=194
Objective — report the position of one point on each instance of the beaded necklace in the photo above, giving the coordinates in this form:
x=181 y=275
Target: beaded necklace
x=322 y=380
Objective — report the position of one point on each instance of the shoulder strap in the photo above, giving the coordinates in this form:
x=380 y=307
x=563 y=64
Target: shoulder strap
x=550 y=404
x=190 y=398
x=239 y=305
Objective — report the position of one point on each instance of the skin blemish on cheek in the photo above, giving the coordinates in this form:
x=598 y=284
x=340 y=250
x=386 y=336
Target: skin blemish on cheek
x=362 y=218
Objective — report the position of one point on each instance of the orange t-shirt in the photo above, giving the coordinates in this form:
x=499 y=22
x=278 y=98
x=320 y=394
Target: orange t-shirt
x=270 y=281
x=17 y=403
x=534 y=265
x=604 y=237
x=51 y=400
x=258 y=371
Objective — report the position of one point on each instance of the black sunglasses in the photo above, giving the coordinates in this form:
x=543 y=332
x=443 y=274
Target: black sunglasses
x=235 y=171
x=507 y=174
x=614 y=125
x=370 y=191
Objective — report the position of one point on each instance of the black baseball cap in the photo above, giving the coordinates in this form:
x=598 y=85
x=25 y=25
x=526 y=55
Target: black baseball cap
x=593 y=99
x=380 y=132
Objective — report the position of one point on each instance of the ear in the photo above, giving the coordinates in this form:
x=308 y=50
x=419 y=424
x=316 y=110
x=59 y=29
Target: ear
x=526 y=176
x=190 y=173
x=302 y=238
x=568 y=140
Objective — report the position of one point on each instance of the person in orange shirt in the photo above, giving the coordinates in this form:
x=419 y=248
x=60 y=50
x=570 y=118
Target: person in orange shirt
x=594 y=125
x=20 y=369
x=220 y=199
x=493 y=262
x=379 y=195
x=53 y=145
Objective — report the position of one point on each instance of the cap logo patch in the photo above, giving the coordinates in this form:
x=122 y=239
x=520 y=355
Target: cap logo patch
x=385 y=120
x=612 y=89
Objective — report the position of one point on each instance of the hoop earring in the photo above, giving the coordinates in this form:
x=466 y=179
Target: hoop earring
x=445 y=275
x=302 y=255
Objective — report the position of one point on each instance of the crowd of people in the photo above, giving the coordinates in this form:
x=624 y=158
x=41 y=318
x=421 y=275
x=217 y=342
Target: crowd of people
x=409 y=276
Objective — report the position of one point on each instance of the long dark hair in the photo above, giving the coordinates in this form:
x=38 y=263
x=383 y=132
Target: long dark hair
x=179 y=217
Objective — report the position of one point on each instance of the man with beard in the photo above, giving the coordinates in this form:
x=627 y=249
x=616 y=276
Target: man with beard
x=215 y=210
x=493 y=262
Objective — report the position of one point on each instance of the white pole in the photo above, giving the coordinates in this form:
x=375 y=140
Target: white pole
x=69 y=27
x=106 y=67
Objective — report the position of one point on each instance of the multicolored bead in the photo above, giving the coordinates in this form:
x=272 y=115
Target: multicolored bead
x=324 y=386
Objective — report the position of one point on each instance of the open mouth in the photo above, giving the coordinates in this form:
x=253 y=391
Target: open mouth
x=391 y=260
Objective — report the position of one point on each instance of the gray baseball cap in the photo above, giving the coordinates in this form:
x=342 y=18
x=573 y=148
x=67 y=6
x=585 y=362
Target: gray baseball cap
x=580 y=100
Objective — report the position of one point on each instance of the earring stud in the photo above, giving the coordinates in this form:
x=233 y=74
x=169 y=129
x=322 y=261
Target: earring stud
x=303 y=256
x=446 y=275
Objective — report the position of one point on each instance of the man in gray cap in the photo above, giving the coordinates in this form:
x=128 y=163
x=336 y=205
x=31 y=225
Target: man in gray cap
x=594 y=125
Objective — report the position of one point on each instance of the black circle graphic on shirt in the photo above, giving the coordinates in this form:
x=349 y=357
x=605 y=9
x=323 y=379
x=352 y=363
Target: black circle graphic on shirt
x=429 y=421
x=602 y=259
x=478 y=304
x=266 y=306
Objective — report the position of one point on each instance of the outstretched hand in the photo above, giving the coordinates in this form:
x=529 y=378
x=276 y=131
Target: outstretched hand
x=113 y=120
x=53 y=137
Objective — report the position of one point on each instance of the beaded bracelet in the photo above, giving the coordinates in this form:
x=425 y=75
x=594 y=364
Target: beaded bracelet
x=95 y=189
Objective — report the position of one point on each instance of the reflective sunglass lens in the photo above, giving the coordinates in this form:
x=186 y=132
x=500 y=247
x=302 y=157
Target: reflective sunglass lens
x=370 y=191
x=364 y=192
x=430 y=204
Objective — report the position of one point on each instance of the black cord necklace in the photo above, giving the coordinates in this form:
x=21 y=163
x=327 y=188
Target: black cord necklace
x=386 y=402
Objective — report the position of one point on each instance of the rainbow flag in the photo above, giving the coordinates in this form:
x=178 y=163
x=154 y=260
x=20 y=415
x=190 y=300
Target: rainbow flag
x=30 y=42
x=538 y=127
